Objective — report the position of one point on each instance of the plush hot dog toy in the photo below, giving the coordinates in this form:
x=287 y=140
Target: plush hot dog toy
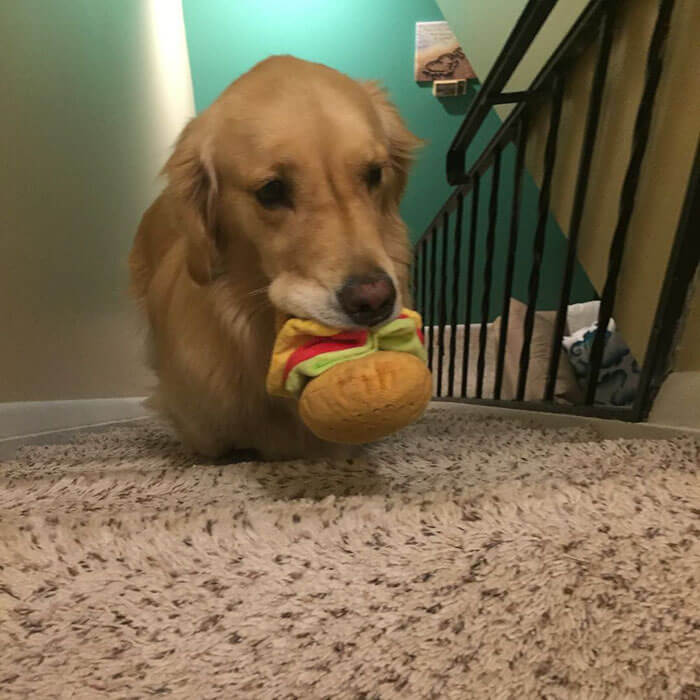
x=353 y=386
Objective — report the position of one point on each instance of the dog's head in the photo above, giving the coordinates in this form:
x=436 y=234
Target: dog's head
x=307 y=166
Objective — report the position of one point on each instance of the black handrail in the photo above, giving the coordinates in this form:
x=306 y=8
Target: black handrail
x=528 y=25
x=490 y=94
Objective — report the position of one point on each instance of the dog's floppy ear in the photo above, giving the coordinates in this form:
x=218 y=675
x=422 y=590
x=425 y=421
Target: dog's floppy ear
x=192 y=179
x=402 y=150
x=402 y=143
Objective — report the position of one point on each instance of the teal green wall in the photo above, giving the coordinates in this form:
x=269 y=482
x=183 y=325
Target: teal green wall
x=368 y=39
x=371 y=39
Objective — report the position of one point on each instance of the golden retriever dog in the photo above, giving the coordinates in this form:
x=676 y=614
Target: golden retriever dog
x=281 y=200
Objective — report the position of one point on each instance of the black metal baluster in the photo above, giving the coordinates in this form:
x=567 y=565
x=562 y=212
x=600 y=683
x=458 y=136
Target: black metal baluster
x=587 y=147
x=640 y=138
x=418 y=290
x=488 y=272
x=521 y=144
x=423 y=287
x=456 y=274
x=433 y=271
x=470 y=284
x=442 y=303
x=550 y=155
x=414 y=280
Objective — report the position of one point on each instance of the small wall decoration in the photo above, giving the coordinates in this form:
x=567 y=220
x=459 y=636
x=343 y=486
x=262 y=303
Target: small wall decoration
x=439 y=55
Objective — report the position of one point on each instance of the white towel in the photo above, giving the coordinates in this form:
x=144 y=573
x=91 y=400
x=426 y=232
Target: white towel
x=584 y=315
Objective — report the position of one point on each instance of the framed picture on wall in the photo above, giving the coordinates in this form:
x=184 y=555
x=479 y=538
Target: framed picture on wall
x=438 y=54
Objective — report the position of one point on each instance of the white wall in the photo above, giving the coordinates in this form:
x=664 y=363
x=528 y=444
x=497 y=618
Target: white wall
x=94 y=94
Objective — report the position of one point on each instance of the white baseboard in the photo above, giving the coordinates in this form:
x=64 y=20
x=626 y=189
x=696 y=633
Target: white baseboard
x=41 y=422
x=607 y=428
x=24 y=419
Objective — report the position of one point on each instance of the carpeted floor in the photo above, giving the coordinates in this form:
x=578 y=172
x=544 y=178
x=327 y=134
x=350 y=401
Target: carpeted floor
x=465 y=558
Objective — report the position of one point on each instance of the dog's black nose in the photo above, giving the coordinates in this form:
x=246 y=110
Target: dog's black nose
x=368 y=299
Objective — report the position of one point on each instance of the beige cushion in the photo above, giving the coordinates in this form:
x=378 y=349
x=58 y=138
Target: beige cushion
x=566 y=387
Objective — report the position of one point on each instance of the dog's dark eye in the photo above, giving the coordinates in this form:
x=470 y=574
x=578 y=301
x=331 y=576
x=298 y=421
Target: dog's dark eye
x=373 y=176
x=273 y=194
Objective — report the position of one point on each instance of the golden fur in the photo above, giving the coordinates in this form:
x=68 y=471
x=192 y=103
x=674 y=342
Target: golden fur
x=214 y=268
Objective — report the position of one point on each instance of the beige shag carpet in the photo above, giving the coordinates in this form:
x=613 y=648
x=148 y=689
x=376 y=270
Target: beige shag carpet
x=465 y=558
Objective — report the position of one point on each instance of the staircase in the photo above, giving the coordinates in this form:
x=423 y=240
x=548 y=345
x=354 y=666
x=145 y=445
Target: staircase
x=466 y=262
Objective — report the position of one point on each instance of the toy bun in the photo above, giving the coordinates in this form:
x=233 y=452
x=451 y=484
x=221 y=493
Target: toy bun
x=366 y=399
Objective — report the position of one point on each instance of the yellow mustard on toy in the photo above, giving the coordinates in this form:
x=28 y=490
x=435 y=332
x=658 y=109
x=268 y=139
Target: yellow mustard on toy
x=353 y=386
